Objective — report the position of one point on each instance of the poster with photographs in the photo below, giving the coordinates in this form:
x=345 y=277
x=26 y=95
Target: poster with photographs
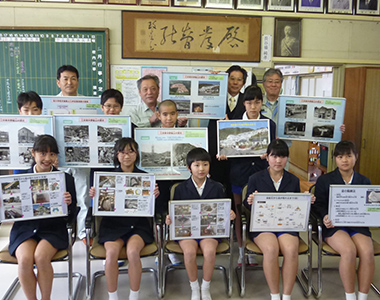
x=310 y=118
x=199 y=219
x=243 y=138
x=201 y=96
x=32 y=196
x=354 y=205
x=280 y=212
x=124 y=194
x=163 y=151
x=79 y=105
x=17 y=135
x=88 y=141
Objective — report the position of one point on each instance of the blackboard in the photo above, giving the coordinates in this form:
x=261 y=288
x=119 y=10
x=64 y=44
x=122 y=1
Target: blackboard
x=30 y=57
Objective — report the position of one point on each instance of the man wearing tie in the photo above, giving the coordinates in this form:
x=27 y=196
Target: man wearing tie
x=237 y=77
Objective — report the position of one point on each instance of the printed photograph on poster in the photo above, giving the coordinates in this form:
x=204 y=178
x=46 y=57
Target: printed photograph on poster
x=280 y=212
x=310 y=118
x=79 y=105
x=124 y=194
x=197 y=95
x=88 y=141
x=364 y=198
x=197 y=219
x=32 y=196
x=243 y=138
x=163 y=151
x=17 y=136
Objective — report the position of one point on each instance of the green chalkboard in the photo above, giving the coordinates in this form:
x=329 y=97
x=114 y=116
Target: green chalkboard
x=30 y=57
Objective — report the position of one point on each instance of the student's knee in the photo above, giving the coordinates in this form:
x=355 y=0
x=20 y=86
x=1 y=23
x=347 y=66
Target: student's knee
x=25 y=260
x=41 y=260
x=348 y=252
x=209 y=254
x=112 y=254
x=133 y=253
x=189 y=253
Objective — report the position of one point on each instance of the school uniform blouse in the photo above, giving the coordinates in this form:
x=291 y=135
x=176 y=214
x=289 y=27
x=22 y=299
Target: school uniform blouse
x=51 y=229
x=243 y=167
x=322 y=192
x=187 y=190
x=113 y=228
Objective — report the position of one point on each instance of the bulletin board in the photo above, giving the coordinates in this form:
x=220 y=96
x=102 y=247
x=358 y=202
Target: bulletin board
x=191 y=36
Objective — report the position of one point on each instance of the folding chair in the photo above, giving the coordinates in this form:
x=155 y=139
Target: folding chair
x=60 y=256
x=325 y=250
x=172 y=247
x=97 y=251
x=304 y=277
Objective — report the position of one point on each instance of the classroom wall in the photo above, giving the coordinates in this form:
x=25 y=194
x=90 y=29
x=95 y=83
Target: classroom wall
x=326 y=39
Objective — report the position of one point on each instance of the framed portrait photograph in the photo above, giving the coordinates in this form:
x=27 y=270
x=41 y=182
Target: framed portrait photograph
x=340 y=6
x=367 y=7
x=219 y=4
x=287 y=37
x=280 y=212
x=283 y=5
x=189 y=3
x=365 y=199
x=32 y=196
x=243 y=138
x=155 y=2
x=250 y=4
x=199 y=219
x=311 y=6
x=124 y=194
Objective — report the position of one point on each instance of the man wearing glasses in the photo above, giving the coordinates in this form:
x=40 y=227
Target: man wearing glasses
x=272 y=82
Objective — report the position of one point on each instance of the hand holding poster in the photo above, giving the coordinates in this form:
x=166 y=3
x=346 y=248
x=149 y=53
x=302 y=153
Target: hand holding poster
x=310 y=118
x=32 y=196
x=355 y=205
x=199 y=219
x=124 y=194
x=280 y=212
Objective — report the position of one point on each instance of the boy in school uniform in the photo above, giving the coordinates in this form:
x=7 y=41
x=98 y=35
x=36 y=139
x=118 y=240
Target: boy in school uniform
x=199 y=186
x=29 y=103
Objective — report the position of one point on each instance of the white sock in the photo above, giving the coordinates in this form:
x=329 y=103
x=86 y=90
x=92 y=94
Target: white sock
x=134 y=295
x=195 y=292
x=275 y=297
x=362 y=296
x=113 y=295
x=286 y=297
x=205 y=284
x=241 y=251
x=350 y=296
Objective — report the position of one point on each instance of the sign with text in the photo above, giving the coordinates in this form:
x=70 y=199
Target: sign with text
x=355 y=205
x=197 y=95
x=280 y=212
x=124 y=194
x=32 y=196
x=199 y=219
x=80 y=105
x=310 y=118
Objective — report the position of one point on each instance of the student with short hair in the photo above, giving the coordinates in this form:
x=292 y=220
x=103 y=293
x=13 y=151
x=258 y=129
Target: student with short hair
x=29 y=103
x=37 y=241
x=112 y=102
x=272 y=180
x=347 y=241
x=167 y=113
x=199 y=186
x=132 y=232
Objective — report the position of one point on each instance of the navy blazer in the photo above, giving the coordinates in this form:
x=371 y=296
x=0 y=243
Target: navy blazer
x=322 y=189
x=187 y=191
x=53 y=227
x=239 y=109
x=262 y=182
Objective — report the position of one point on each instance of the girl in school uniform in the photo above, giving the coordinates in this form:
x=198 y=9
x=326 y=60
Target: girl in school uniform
x=276 y=179
x=134 y=232
x=347 y=241
x=37 y=241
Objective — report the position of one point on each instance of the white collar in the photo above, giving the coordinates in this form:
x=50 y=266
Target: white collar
x=245 y=117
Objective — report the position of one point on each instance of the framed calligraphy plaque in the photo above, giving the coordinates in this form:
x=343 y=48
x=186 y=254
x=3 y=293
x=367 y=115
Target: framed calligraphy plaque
x=199 y=36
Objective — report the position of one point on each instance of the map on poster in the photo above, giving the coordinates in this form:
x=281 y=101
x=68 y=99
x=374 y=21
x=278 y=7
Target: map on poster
x=310 y=118
x=243 y=138
x=17 y=135
x=124 y=194
x=88 y=141
x=280 y=212
x=80 y=105
x=197 y=95
x=32 y=196
x=163 y=151
x=198 y=219
x=355 y=205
